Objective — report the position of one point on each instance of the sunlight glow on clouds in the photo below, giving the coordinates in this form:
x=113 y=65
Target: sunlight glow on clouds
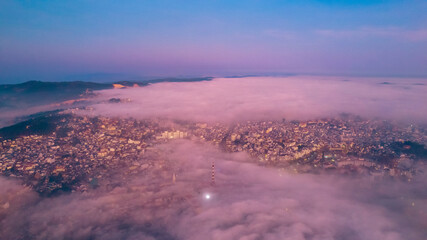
x=260 y=98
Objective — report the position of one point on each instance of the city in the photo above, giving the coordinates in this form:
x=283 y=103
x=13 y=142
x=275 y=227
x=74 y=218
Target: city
x=81 y=152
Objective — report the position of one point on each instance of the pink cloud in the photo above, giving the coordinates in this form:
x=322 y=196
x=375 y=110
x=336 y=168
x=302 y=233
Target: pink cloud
x=263 y=98
x=249 y=202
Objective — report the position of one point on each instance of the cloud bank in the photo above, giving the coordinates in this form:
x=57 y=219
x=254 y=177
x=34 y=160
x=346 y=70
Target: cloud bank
x=248 y=202
x=258 y=98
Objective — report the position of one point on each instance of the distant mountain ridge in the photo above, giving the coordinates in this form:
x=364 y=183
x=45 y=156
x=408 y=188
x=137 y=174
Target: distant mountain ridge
x=160 y=80
x=37 y=93
x=35 y=86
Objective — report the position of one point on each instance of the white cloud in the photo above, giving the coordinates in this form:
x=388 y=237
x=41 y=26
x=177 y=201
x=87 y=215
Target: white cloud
x=366 y=32
x=255 y=98
x=280 y=34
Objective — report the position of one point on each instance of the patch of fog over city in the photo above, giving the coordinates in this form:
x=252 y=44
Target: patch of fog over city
x=9 y=117
x=267 y=98
x=248 y=202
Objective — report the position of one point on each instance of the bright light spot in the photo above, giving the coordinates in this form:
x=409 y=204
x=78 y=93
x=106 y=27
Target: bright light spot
x=207 y=196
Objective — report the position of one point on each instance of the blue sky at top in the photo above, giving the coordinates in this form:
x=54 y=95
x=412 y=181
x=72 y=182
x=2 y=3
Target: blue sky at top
x=52 y=40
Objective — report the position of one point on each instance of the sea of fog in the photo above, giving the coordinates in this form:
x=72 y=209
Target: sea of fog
x=249 y=202
x=261 y=98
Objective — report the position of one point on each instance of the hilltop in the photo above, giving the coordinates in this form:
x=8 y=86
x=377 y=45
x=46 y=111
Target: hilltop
x=37 y=93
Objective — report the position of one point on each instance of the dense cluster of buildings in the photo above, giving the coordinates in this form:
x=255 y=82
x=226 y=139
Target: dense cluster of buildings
x=83 y=152
x=79 y=153
x=349 y=144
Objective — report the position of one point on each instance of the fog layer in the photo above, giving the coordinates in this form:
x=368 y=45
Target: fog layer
x=248 y=202
x=255 y=98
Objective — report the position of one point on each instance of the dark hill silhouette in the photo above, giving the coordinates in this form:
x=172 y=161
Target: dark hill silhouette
x=34 y=93
x=160 y=80
x=39 y=125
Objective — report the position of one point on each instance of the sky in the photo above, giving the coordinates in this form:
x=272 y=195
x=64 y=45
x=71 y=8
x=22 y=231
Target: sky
x=107 y=40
